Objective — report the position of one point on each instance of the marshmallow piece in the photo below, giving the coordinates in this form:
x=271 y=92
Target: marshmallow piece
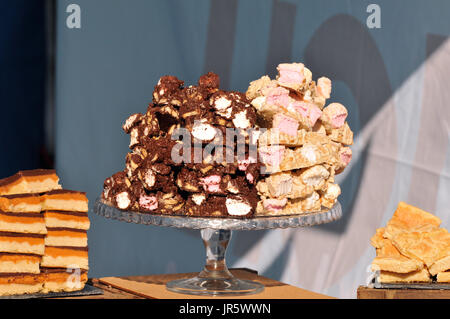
x=278 y=96
x=148 y=202
x=315 y=176
x=291 y=75
x=334 y=115
x=311 y=203
x=211 y=183
x=330 y=196
x=272 y=154
x=203 y=131
x=123 y=200
x=279 y=184
x=147 y=177
x=285 y=124
x=323 y=87
x=223 y=106
x=237 y=206
x=240 y=120
x=274 y=204
x=345 y=155
x=198 y=199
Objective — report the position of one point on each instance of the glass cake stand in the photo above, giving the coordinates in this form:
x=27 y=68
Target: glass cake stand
x=215 y=279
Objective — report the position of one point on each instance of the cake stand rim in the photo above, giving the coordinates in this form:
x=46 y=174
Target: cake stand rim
x=255 y=223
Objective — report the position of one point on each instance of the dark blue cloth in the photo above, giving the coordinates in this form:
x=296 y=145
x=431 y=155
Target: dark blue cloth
x=22 y=84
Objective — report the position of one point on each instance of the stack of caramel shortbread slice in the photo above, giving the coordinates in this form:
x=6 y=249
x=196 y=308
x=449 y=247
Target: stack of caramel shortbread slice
x=65 y=261
x=22 y=230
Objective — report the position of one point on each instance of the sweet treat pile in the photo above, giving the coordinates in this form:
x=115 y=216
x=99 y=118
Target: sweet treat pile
x=306 y=143
x=412 y=248
x=43 y=232
x=166 y=174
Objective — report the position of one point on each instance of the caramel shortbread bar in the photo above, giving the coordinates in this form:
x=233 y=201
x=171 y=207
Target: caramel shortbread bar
x=63 y=279
x=65 y=257
x=30 y=181
x=66 y=200
x=68 y=237
x=21 y=203
x=19 y=263
x=59 y=218
x=19 y=284
x=29 y=223
x=22 y=243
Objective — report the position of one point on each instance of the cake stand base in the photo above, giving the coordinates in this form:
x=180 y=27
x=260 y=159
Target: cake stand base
x=215 y=287
x=215 y=279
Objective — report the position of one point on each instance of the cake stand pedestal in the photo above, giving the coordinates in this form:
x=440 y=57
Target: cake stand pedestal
x=215 y=279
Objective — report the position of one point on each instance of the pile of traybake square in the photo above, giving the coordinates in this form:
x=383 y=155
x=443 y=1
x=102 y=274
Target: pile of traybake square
x=412 y=248
x=305 y=145
x=210 y=179
x=43 y=234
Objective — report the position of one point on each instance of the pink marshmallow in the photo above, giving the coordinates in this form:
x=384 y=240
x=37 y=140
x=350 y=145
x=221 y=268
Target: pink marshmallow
x=243 y=164
x=148 y=202
x=314 y=113
x=250 y=178
x=278 y=96
x=323 y=87
x=300 y=106
x=274 y=204
x=285 y=124
x=271 y=155
x=291 y=73
x=211 y=183
x=308 y=110
x=334 y=115
x=345 y=155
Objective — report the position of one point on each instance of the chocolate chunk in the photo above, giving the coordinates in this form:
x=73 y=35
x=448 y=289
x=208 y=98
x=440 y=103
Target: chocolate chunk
x=168 y=91
x=209 y=81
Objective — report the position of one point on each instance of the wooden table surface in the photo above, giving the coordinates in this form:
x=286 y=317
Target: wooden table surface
x=153 y=287
x=376 y=293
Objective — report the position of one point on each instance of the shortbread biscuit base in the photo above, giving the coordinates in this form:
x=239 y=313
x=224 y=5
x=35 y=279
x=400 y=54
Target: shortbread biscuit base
x=408 y=218
x=400 y=265
x=439 y=266
x=443 y=277
x=416 y=276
